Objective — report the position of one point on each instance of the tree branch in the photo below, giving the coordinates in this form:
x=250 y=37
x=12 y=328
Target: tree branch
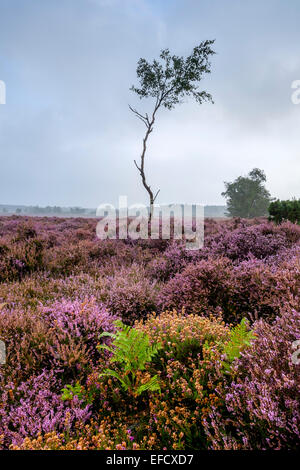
x=156 y=195
x=137 y=165
x=144 y=119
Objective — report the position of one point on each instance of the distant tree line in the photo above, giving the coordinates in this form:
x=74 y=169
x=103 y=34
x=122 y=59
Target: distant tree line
x=48 y=210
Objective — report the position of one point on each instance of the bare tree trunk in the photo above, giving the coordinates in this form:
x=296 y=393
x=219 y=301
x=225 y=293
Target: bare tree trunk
x=149 y=125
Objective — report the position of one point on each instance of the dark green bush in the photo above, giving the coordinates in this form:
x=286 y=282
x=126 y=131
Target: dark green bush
x=285 y=210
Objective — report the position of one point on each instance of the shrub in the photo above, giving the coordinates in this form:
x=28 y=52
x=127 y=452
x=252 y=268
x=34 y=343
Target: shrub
x=262 y=406
x=251 y=289
x=172 y=261
x=285 y=210
x=189 y=366
x=130 y=294
x=201 y=288
x=181 y=334
x=258 y=241
x=34 y=407
x=61 y=337
x=20 y=257
x=261 y=291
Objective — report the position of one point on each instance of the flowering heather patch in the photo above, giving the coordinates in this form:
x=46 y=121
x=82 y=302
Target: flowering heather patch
x=250 y=289
x=262 y=400
x=181 y=334
x=62 y=338
x=187 y=376
x=200 y=288
x=130 y=294
x=257 y=241
x=172 y=261
x=61 y=288
x=35 y=407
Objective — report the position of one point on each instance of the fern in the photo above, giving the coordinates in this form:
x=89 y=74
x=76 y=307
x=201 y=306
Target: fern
x=240 y=338
x=152 y=385
x=131 y=350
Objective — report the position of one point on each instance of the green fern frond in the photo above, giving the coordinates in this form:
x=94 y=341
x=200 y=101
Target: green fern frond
x=152 y=385
x=112 y=373
x=240 y=338
x=132 y=350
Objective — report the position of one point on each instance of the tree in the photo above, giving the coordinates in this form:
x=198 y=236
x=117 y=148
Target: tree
x=168 y=81
x=247 y=196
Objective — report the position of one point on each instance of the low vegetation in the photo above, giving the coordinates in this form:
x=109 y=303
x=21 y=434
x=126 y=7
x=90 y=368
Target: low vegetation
x=144 y=345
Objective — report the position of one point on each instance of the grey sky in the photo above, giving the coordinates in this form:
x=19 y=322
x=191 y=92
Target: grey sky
x=68 y=138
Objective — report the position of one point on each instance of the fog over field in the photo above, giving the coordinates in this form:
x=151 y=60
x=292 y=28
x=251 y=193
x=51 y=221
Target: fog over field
x=67 y=137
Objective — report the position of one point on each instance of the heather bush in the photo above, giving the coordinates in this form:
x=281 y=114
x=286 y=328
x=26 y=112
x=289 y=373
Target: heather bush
x=20 y=257
x=63 y=247
x=130 y=294
x=257 y=241
x=262 y=290
x=262 y=407
x=172 y=261
x=188 y=366
x=61 y=337
x=43 y=288
x=35 y=407
x=201 y=288
x=180 y=334
x=250 y=289
x=97 y=435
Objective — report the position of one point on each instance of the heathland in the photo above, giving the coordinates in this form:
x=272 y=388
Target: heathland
x=202 y=350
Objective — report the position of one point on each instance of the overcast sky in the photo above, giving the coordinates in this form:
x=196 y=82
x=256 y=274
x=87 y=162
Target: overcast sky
x=68 y=138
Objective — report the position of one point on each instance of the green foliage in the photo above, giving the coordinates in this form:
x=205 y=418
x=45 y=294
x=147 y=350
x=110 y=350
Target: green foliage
x=247 y=196
x=131 y=351
x=168 y=80
x=285 y=210
x=70 y=391
x=240 y=338
x=173 y=77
